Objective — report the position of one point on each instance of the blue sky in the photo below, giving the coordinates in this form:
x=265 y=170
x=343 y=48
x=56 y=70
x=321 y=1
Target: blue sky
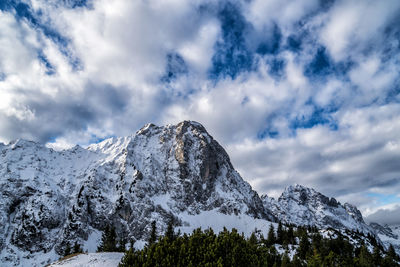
x=296 y=91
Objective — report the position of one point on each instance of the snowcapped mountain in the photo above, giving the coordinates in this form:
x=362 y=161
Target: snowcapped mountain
x=50 y=198
x=300 y=205
x=388 y=234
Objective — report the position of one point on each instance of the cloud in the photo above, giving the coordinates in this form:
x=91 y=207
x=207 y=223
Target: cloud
x=383 y=216
x=356 y=25
x=360 y=155
x=297 y=92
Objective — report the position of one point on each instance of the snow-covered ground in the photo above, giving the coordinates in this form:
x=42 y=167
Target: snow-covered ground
x=217 y=221
x=104 y=259
x=394 y=239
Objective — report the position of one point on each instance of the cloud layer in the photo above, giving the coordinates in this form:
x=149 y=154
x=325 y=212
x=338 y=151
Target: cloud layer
x=297 y=91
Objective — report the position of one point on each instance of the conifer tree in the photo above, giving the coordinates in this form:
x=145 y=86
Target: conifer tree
x=271 y=235
x=170 y=230
x=122 y=245
x=290 y=235
x=67 y=250
x=376 y=256
x=253 y=239
x=77 y=248
x=285 y=260
x=279 y=234
x=365 y=258
x=153 y=233
x=108 y=240
x=304 y=246
x=392 y=253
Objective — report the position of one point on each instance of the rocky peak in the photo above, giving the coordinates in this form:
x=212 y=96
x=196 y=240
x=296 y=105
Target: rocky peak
x=305 y=195
x=384 y=230
x=49 y=198
x=305 y=206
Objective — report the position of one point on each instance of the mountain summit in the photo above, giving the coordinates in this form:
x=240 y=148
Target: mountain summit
x=51 y=199
x=300 y=205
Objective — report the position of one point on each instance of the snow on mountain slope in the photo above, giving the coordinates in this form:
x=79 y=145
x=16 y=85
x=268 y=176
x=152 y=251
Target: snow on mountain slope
x=300 y=205
x=109 y=259
x=388 y=234
x=50 y=198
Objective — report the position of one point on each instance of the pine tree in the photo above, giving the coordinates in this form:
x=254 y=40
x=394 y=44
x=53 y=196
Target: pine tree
x=132 y=244
x=285 y=260
x=376 y=256
x=304 y=246
x=271 y=235
x=122 y=245
x=67 y=250
x=279 y=234
x=365 y=258
x=290 y=235
x=391 y=252
x=296 y=261
x=153 y=233
x=170 y=231
x=253 y=240
x=108 y=240
x=77 y=248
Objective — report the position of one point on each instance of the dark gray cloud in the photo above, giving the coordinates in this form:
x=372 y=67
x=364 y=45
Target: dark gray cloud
x=386 y=216
x=297 y=91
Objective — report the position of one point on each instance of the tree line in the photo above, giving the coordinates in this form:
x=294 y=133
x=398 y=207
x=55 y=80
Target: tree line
x=287 y=246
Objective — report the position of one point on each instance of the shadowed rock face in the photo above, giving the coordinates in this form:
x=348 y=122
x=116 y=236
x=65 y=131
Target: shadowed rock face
x=49 y=198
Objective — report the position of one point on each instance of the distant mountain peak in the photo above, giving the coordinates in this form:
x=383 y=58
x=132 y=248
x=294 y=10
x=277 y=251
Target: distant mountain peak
x=303 y=194
x=302 y=205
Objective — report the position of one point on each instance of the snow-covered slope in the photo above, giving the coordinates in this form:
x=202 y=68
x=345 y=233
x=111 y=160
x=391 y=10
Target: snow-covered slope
x=388 y=234
x=109 y=259
x=300 y=205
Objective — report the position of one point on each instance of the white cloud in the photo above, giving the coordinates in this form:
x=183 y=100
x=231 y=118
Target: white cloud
x=353 y=159
x=352 y=25
x=122 y=47
x=262 y=13
x=198 y=52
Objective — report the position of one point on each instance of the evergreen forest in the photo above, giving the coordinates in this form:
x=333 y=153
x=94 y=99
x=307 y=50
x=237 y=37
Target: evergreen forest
x=285 y=246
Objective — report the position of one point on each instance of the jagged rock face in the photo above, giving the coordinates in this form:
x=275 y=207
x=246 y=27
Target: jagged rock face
x=304 y=206
x=384 y=230
x=388 y=234
x=49 y=198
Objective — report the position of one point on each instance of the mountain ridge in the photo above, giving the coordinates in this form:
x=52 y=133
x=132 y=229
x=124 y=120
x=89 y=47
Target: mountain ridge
x=174 y=172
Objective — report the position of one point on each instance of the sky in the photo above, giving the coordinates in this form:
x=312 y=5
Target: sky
x=304 y=91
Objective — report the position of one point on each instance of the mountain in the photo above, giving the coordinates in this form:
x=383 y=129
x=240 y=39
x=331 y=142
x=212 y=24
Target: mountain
x=388 y=234
x=300 y=205
x=49 y=198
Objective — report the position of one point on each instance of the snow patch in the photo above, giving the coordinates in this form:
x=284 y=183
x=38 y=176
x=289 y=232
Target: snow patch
x=109 y=259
